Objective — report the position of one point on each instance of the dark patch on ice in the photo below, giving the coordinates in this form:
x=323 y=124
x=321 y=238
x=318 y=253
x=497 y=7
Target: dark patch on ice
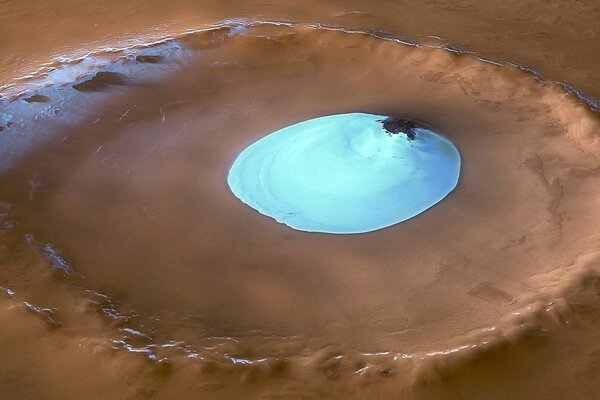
x=37 y=98
x=5 y=126
x=149 y=59
x=101 y=81
x=397 y=125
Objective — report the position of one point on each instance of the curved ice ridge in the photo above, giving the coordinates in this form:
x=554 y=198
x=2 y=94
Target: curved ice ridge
x=240 y=26
x=346 y=173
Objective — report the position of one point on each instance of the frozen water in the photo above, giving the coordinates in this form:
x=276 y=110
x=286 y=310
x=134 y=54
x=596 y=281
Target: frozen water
x=345 y=173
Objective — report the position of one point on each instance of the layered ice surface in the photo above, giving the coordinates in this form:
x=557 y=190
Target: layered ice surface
x=346 y=173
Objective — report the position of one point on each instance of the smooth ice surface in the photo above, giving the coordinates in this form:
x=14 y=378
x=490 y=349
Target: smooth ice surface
x=344 y=174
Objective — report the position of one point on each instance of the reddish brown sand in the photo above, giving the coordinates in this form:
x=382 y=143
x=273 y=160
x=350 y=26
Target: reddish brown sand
x=129 y=270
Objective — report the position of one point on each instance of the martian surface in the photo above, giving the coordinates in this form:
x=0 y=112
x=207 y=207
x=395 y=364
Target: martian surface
x=299 y=200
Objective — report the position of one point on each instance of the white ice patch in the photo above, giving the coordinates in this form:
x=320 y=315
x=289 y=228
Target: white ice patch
x=344 y=174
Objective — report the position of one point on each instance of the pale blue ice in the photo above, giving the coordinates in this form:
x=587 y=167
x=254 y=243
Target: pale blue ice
x=344 y=174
